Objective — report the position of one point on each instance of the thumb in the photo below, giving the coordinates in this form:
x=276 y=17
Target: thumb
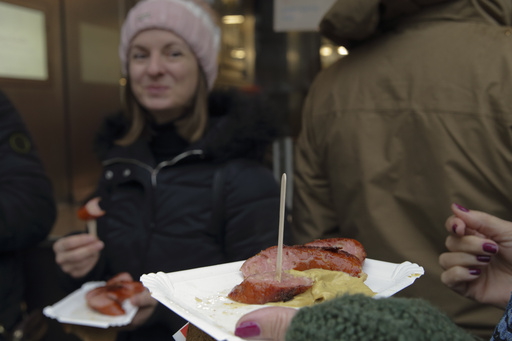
x=265 y=324
x=93 y=207
x=143 y=299
x=488 y=225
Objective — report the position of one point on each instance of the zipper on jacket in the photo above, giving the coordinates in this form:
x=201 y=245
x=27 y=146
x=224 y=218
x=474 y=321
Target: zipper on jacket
x=154 y=171
x=173 y=161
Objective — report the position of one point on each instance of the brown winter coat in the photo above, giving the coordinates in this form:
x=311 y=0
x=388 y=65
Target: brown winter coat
x=417 y=116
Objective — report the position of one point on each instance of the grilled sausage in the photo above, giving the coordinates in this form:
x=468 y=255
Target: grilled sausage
x=263 y=288
x=346 y=244
x=108 y=299
x=302 y=258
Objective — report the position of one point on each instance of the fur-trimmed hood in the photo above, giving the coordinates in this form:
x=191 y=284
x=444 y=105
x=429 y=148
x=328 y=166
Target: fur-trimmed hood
x=240 y=125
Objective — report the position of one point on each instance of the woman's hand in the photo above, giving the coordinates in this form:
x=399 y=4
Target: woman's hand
x=479 y=264
x=265 y=324
x=77 y=254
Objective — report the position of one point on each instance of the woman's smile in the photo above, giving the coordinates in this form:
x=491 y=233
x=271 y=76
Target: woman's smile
x=157 y=90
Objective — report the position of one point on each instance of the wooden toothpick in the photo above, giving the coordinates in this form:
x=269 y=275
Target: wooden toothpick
x=279 y=261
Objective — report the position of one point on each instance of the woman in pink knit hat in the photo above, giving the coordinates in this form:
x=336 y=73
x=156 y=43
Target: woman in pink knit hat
x=183 y=184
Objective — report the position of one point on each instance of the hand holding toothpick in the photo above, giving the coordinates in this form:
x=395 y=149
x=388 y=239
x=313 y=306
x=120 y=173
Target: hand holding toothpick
x=279 y=262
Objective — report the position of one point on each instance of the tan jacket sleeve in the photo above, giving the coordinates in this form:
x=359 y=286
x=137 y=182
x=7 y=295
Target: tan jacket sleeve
x=313 y=215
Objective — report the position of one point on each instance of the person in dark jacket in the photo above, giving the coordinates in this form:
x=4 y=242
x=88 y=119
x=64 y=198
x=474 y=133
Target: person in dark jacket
x=27 y=210
x=183 y=184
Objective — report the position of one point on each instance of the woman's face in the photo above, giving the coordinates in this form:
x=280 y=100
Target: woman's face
x=163 y=73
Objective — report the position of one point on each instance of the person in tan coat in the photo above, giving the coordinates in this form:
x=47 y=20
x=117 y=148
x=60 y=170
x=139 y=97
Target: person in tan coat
x=416 y=117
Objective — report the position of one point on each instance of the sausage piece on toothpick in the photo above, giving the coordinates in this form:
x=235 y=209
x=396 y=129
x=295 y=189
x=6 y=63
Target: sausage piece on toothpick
x=89 y=213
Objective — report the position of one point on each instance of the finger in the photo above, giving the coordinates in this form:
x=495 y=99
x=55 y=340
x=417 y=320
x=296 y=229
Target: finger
x=79 y=270
x=73 y=242
x=265 y=324
x=471 y=244
x=451 y=259
x=455 y=225
x=457 y=277
x=93 y=207
x=146 y=305
x=81 y=263
x=80 y=254
x=143 y=299
x=486 y=224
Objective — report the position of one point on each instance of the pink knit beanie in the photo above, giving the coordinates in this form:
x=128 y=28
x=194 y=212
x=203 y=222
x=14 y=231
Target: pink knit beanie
x=193 y=21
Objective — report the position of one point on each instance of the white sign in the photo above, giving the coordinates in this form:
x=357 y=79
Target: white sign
x=299 y=15
x=23 y=52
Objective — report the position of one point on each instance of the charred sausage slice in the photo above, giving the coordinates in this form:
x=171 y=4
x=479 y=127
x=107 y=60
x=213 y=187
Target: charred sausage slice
x=108 y=299
x=303 y=258
x=346 y=244
x=263 y=288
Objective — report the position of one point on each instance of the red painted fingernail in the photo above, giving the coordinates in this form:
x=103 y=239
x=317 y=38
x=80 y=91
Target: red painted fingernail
x=247 y=329
x=454 y=228
x=475 y=272
x=491 y=248
x=483 y=258
x=463 y=209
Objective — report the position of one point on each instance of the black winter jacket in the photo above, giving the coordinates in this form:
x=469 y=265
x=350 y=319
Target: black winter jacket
x=159 y=214
x=27 y=208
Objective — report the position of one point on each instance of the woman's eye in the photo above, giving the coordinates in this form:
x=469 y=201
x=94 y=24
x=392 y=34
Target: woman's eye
x=139 y=55
x=174 y=53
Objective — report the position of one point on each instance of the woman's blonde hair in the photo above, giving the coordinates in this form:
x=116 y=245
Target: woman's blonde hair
x=191 y=126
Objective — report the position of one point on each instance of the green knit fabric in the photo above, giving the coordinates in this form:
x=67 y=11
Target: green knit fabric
x=359 y=317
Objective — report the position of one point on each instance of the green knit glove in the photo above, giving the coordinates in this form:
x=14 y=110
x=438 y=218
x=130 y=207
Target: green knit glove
x=359 y=317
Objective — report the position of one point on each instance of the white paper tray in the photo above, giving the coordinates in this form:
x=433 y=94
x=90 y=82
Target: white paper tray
x=200 y=295
x=73 y=309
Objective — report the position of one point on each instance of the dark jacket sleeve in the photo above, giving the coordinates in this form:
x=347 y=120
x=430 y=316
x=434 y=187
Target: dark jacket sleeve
x=27 y=205
x=252 y=209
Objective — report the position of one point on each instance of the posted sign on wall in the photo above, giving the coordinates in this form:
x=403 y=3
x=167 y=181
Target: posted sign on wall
x=23 y=40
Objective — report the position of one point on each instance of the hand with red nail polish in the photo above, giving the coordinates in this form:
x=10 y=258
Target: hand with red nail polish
x=479 y=262
x=268 y=323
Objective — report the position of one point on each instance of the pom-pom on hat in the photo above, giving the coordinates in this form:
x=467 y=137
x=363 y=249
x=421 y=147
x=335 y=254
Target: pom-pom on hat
x=194 y=21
